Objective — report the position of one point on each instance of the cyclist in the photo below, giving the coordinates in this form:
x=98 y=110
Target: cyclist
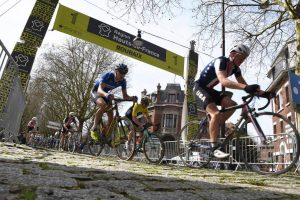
x=218 y=71
x=133 y=112
x=102 y=98
x=32 y=128
x=67 y=126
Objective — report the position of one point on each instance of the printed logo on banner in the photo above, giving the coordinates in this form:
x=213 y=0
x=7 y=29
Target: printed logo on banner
x=192 y=108
x=191 y=82
x=36 y=27
x=24 y=61
x=104 y=30
x=116 y=35
x=21 y=60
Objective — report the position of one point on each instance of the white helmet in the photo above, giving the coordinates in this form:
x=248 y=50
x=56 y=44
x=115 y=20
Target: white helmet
x=72 y=114
x=241 y=48
x=34 y=119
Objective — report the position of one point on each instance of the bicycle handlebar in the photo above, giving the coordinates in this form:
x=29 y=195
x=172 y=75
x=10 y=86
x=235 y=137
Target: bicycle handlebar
x=265 y=95
x=147 y=125
x=247 y=99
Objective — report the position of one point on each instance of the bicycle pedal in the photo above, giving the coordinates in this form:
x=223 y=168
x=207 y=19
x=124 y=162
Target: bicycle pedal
x=140 y=150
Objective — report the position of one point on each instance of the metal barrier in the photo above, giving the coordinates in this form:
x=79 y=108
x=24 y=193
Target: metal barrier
x=11 y=114
x=253 y=150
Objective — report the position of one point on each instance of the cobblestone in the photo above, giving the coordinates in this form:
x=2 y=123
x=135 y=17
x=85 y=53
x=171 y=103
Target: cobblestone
x=27 y=173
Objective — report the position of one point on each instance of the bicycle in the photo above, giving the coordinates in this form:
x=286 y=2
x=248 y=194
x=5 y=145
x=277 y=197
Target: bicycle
x=151 y=145
x=255 y=140
x=71 y=138
x=116 y=136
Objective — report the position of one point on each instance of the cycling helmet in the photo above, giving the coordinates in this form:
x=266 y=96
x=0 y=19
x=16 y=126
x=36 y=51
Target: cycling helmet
x=241 y=48
x=34 y=119
x=145 y=100
x=122 y=68
x=72 y=114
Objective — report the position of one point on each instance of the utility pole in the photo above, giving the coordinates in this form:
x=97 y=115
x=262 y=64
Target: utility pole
x=223 y=54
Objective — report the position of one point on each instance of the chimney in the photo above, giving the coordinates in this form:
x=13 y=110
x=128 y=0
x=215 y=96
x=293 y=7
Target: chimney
x=158 y=87
x=144 y=93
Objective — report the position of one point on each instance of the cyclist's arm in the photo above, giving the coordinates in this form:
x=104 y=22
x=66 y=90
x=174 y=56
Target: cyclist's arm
x=222 y=76
x=241 y=79
x=126 y=96
x=135 y=120
x=101 y=91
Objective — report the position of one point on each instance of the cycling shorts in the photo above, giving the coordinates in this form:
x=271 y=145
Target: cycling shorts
x=95 y=97
x=206 y=96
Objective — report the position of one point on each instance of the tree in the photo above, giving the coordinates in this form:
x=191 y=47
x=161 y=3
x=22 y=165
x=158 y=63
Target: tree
x=265 y=30
x=64 y=78
x=266 y=25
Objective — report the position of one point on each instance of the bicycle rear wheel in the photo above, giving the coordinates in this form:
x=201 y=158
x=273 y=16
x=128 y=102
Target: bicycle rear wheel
x=193 y=148
x=277 y=152
x=153 y=148
x=125 y=148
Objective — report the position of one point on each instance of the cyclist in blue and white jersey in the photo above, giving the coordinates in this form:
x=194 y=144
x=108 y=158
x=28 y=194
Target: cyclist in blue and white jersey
x=218 y=71
x=102 y=98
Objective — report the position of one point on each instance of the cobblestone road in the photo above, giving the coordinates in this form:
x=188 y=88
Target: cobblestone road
x=27 y=173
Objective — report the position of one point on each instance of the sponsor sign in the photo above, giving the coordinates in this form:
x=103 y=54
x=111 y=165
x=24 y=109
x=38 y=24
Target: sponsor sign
x=87 y=28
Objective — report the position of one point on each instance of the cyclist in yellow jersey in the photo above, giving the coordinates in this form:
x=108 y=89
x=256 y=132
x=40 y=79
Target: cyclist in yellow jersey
x=136 y=110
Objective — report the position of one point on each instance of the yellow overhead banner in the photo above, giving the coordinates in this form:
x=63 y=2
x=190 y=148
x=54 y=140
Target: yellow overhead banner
x=87 y=28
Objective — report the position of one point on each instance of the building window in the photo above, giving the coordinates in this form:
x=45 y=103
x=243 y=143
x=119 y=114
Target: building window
x=287 y=94
x=169 y=121
x=172 y=98
x=290 y=118
x=279 y=101
x=281 y=127
x=274 y=129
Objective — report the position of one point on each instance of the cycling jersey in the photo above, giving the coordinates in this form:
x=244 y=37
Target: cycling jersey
x=68 y=121
x=136 y=110
x=208 y=77
x=31 y=124
x=110 y=82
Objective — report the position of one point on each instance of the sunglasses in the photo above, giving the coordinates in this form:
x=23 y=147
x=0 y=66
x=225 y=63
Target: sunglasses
x=122 y=72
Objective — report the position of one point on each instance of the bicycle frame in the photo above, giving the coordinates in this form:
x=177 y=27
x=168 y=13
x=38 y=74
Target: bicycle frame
x=116 y=118
x=248 y=113
x=146 y=134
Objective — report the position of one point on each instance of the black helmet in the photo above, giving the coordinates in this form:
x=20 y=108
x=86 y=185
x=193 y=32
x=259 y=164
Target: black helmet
x=122 y=68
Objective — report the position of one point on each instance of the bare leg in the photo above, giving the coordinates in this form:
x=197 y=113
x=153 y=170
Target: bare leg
x=98 y=115
x=214 y=122
x=109 y=121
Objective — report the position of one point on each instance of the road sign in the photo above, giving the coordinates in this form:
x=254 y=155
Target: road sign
x=295 y=87
x=87 y=28
x=54 y=125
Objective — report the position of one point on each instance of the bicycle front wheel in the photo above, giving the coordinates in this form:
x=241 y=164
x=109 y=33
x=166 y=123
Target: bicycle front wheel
x=193 y=147
x=153 y=148
x=276 y=150
x=94 y=148
x=71 y=144
x=125 y=148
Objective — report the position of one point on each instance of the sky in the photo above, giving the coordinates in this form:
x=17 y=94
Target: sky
x=147 y=76
x=179 y=29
